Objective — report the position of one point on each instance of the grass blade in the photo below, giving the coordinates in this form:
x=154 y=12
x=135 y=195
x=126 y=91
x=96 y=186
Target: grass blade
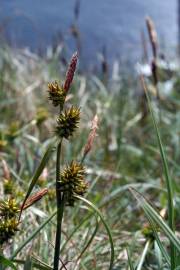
x=161 y=247
x=28 y=263
x=6 y=262
x=143 y=256
x=156 y=219
x=38 y=172
x=75 y=230
x=90 y=240
x=96 y=210
x=129 y=260
x=35 y=265
x=32 y=236
x=171 y=218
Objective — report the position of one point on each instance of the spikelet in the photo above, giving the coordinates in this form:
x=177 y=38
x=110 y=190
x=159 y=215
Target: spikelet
x=9 y=208
x=70 y=72
x=92 y=135
x=67 y=122
x=8 y=227
x=56 y=94
x=6 y=172
x=152 y=35
x=73 y=182
x=9 y=222
x=36 y=197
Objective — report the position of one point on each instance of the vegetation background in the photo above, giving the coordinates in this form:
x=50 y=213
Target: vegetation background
x=131 y=218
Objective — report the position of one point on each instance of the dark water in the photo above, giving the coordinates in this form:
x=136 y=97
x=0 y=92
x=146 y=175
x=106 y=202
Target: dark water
x=113 y=23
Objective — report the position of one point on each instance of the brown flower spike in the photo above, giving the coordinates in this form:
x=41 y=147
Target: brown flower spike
x=6 y=172
x=152 y=35
x=34 y=198
x=70 y=72
x=92 y=135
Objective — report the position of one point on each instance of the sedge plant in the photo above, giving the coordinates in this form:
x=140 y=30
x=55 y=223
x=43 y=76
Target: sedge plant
x=70 y=183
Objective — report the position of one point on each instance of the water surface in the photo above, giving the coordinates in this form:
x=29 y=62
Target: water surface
x=115 y=24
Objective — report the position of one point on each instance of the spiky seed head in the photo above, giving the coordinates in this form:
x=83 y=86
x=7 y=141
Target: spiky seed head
x=67 y=122
x=9 y=208
x=73 y=182
x=8 y=227
x=56 y=94
x=70 y=72
x=9 y=222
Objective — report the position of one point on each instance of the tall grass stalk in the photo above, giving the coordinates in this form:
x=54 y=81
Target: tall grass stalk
x=60 y=208
x=58 y=95
x=169 y=185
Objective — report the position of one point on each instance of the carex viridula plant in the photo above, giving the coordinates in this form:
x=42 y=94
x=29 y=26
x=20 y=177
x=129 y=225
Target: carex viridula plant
x=71 y=180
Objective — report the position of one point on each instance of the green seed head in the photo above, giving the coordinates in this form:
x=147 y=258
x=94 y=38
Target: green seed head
x=8 y=186
x=148 y=233
x=8 y=227
x=57 y=94
x=67 y=122
x=73 y=182
x=9 y=208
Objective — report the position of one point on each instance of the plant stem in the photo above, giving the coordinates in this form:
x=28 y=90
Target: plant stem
x=1 y=253
x=170 y=192
x=140 y=265
x=60 y=209
x=58 y=234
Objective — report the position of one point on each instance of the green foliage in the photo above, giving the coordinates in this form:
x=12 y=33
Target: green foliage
x=125 y=155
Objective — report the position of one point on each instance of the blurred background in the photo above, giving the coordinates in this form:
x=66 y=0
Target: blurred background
x=114 y=28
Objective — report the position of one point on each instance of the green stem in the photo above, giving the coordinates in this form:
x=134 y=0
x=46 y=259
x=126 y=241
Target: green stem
x=1 y=254
x=60 y=209
x=169 y=184
x=140 y=265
